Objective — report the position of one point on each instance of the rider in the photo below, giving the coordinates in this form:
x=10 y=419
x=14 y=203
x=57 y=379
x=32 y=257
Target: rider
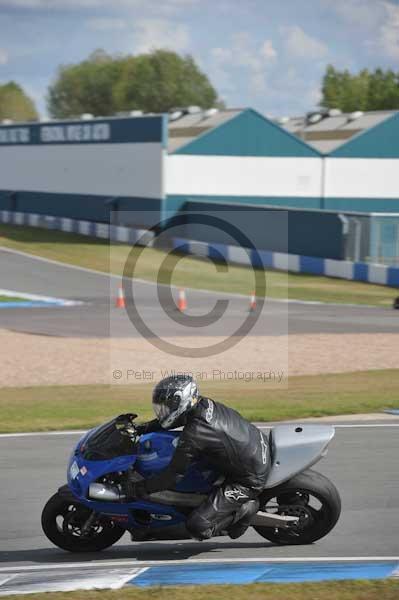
x=235 y=447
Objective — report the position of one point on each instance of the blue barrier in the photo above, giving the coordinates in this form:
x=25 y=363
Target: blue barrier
x=379 y=274
x=341 y=269
x=116 y=233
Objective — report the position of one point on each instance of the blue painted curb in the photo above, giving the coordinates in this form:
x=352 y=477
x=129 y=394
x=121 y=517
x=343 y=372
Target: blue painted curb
x=245 y=573
x=29 y=304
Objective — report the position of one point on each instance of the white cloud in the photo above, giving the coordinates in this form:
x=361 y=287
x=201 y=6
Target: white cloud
x=387 y=41
x=51 y=4
x=3 y=56
x=242 y=53
x=106 y=24
x=222 y=55
x=378 y=19
x=360 y=13
x=257 y=83
x=160 y=33
x=165 y=7
x=299 y=44
x=267 y=50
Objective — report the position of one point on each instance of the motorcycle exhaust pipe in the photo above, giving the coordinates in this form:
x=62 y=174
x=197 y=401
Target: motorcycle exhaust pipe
x=105 y=493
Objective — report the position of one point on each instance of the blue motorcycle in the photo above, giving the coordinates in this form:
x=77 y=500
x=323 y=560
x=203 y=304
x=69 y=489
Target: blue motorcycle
x=91 y=512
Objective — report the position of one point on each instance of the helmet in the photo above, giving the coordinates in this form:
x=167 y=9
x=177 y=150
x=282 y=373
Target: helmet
x=172 y=397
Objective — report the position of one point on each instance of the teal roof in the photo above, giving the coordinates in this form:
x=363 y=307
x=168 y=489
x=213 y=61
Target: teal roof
x=380 y=141
x=248 y=134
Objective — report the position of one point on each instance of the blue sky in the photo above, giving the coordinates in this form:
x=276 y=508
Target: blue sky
x=267 y=54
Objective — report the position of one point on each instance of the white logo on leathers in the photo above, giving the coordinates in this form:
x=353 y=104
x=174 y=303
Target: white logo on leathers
x=264 y=449
x=209 y=411
x=235 y=494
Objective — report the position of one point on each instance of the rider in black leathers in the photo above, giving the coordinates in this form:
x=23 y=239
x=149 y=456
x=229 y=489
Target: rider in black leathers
x=232 y=445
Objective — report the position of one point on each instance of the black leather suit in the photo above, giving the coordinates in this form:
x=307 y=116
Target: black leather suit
x=234 y=447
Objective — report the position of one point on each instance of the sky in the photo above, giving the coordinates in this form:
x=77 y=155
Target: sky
x=266 y=54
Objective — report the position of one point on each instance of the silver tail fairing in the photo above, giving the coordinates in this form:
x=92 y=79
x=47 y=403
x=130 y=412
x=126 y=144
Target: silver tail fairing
x=295 y=448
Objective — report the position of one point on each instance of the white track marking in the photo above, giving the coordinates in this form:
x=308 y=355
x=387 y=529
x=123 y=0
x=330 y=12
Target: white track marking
x=6 y=579
x=209 y=292
x=86 y=579
x=129 y=577
x=49 y=299
x=152 y=563
x=41 y=433
x=337 y=425
x=297 y=423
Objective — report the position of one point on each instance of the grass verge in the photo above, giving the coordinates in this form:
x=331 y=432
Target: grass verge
x=11 y=299
x=333 y=590
x=81 y=407
x=190 y=271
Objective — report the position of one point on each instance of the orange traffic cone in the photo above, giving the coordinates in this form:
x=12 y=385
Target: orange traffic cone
x=182 y=301
x=120 y=299
x=252 y=302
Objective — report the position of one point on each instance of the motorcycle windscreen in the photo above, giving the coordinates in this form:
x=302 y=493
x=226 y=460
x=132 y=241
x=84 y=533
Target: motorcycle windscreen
x=106 y=442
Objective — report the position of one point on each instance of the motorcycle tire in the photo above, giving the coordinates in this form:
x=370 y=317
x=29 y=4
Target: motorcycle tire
x=294 y=498
x=61 y=518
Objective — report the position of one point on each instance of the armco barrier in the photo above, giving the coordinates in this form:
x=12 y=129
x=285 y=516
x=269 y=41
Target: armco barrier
x=115 y=233
x=341 y=269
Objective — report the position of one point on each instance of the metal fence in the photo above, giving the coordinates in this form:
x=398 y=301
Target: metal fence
x=372 y=238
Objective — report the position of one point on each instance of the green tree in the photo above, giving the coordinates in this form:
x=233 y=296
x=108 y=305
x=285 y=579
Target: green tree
x=86 y=87
x=15 y=104
x=376 y=90
x=161 y=80
x=154 y=82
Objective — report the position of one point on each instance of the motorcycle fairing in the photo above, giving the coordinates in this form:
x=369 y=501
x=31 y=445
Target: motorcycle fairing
x=152 y=454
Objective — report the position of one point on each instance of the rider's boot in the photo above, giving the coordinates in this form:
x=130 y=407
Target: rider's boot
x=243 y=520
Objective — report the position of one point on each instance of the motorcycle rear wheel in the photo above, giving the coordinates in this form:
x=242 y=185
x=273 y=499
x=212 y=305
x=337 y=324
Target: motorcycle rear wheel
x=310 y=496
x=62 y=519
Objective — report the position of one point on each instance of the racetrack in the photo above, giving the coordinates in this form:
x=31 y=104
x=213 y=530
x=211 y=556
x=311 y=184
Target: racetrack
x=98 y=317
x=362 y=462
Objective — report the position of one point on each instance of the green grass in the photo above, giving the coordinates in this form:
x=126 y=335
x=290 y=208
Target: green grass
x=81 y=407
x=332 y=590
x=190 y=271
x=11 y=299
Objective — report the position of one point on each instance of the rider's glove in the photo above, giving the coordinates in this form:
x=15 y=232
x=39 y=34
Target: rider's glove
x=125 y=424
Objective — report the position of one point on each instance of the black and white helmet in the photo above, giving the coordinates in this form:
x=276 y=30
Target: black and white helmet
x=173 y=397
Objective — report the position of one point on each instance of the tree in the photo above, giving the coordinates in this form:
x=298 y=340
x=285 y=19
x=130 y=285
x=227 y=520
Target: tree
x=86 y=87
x=161 y=80
x=15 y=104
x=154 y=82
x=377 y=90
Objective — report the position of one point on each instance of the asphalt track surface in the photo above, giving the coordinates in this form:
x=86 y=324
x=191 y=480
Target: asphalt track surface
x=98 y=317
x=362 y=462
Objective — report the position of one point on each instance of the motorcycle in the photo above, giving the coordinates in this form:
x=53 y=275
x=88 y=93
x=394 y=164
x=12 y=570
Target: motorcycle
x=91 y=512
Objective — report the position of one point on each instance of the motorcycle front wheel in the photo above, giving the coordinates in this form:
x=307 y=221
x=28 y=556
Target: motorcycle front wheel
x=312 y=498
x=64 y=520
